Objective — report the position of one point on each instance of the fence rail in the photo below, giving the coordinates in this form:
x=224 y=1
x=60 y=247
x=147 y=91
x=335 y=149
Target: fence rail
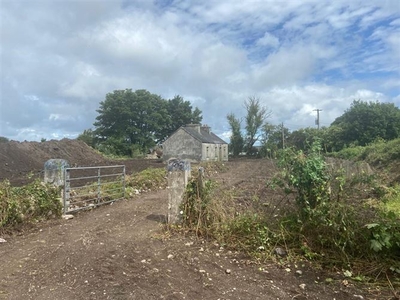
x=86 y=187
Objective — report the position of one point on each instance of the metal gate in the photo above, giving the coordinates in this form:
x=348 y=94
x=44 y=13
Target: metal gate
x=87 y=187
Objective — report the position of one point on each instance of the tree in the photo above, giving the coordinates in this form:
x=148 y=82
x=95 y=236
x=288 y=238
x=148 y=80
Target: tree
x=88 y=136
x=132 y=122
x=303 y=138
x=3 y=139
x=255 y=118
x=331 y=138
x=236 y=144
x=364 y=122
x=131 y=118
x=180 y=112
x=272 y=139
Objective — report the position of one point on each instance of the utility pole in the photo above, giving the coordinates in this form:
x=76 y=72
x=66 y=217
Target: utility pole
x=317 y=120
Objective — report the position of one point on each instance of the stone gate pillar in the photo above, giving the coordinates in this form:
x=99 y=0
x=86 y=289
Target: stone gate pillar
x=179 y=172
x=54 y=171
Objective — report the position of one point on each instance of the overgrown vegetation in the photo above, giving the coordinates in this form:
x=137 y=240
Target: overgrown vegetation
x=379 y=153
x=39 y=201
x=29 y=203
x=146 y=180
x=346 y=223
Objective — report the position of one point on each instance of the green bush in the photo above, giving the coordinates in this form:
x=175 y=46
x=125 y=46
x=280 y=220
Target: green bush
x=378 y=153
x=28 y=203
x=385 y=234
x=306 y=175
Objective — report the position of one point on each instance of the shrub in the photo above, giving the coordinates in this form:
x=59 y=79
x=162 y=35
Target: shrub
x=306 y=175
x=28 y=203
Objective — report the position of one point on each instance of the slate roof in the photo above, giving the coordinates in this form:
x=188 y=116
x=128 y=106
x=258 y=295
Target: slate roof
x=204 y=136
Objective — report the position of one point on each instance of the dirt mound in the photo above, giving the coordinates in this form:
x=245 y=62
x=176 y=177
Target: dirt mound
x=21 y=162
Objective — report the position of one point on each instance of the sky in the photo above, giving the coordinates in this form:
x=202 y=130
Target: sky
x=59 y=59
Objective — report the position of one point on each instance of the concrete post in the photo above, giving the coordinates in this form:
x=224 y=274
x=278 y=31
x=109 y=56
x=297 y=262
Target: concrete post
x=54 y=171
x=179 y=173
x=54 y=174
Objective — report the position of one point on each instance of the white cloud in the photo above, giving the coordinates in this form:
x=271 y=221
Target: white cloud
x=268 y=40
x=60 y=58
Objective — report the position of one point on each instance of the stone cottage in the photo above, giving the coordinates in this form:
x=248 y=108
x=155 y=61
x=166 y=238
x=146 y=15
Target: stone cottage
x=195 y=143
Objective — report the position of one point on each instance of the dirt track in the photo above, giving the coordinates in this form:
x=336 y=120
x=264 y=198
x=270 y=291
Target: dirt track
x=121 y=251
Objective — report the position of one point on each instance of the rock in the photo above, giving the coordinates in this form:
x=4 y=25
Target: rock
x=67 y=217
x=170 y=256
x=280 y=252
x=228 y=271
x=2 y=240
x=358 y=296
x=302 y=286
x=299 y=272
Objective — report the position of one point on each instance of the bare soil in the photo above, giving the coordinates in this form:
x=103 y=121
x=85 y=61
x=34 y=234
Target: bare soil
x=22 y=162
x=123 y=251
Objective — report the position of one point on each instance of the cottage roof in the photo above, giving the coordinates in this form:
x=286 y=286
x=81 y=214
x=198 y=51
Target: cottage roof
x=203 y=134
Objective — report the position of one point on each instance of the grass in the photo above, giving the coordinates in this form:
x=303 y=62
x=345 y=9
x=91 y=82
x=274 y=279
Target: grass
x=147 y=180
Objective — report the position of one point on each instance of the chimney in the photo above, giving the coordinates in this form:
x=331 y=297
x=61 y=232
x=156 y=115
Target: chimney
x=206 y=128
x=194 y=126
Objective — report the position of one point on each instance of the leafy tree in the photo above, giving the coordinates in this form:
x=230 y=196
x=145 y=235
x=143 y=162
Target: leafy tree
x=130 y=122
x=364 y=122
x=237 y=142
x=272 y=139
x=331 y=138
x=302 y=138
x=88 y=136
x=180 y=112
x=255 y=118
x=131 y=118
x=3 y=139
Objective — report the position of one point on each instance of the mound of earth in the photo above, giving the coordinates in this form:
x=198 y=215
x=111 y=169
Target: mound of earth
x=21 y=162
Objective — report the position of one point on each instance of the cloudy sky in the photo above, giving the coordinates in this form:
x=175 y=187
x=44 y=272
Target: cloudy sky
x=59 y=58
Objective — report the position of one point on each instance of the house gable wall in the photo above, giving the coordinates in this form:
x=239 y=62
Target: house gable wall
x=183 y=146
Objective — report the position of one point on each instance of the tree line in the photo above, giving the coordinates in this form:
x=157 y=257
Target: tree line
x=363 y=123
x=129 y=123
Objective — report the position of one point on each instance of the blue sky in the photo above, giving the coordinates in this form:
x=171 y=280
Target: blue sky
x=60 y=58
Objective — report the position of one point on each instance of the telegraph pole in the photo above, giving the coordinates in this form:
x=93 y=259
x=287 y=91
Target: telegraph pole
x=317 y=120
